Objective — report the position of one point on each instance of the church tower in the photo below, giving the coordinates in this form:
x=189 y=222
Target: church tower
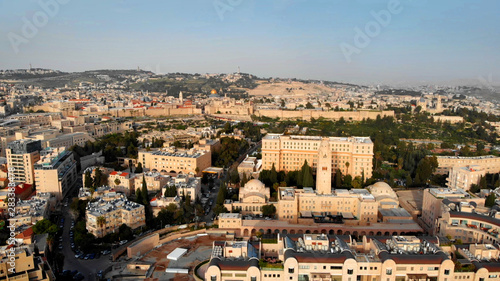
x=324 y=170
x=181 y=100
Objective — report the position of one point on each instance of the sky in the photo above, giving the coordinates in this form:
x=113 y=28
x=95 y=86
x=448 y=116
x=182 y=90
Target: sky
x=358 y=41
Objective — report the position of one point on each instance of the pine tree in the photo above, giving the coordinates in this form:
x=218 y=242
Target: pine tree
x=307 y=178
x=88 y=179
x=273 y=176
x=338 y=178
x=138 y=196
x=144 y=191
x=490 y=200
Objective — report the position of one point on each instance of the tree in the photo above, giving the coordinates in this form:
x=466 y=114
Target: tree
x=117 y=181
x=482 y=183
x=306 y=175
x=348 y=181
x=88 y=179
x=268 y=210
x=139 y=169
x=338 y=178
x=474 y=188
x=273 y=175
x=138 y=196
x=347 y=164
x=244 y=179
x=309 y=105
x=234 y=176
x=425 y=169
x=50 y=242
x=45 y=226
x=490 y=200
x=144 y=192
x=101 y=222
x=356 y=182
x=97 y=177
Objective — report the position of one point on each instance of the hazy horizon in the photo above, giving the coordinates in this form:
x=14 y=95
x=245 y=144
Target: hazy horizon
x=404 y=42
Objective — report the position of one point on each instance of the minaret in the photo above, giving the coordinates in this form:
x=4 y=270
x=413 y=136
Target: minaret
x=324 y=170
x=181 y=100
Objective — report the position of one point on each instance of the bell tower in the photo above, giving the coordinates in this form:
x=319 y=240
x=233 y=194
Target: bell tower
x=324 y=170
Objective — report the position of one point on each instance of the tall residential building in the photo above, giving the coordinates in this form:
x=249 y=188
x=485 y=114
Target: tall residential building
x=431 y=205
x=55 y=172
x=28 y=266
x=176 y=161
x=464 y=177
x=351 y=155
x=22 y=156
x=106 y=215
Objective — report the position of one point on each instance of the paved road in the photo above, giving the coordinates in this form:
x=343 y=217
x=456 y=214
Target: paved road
x=88 y=268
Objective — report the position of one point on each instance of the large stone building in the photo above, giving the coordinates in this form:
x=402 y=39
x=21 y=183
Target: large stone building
x=22 y=156
x=355 y=211
x=464 y=177
x=490 y=164
x=106 y=216
x=55 y=172
x=469 y=222
x=432 y=205
x=252 y=197
x=321 y=257
x=350 y=155
x=176 y=161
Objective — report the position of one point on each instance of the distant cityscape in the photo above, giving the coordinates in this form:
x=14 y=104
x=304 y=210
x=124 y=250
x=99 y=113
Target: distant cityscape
x=135 y=175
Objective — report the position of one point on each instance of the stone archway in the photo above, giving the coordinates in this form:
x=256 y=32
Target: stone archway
x=300 y=231
x=323 y=231
x=394 y=233
x=379 y=233
x=284 y=232
x=355 y=234
x=292 y=231
x=245 y=232
x=315 y=231
x=308 y=232
x=253 y=231
x=371 y=233
x=347 y=233
x=339 y=232
x=276 y=232
x=386 y=233
x=331 y=232
x=363 y=233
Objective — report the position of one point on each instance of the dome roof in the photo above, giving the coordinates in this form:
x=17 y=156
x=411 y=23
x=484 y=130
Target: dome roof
x=255 y=186
x=213 y=92
x=382 y=188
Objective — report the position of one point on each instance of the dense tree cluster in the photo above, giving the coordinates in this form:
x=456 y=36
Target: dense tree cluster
x=231 y=149
x=112 y=146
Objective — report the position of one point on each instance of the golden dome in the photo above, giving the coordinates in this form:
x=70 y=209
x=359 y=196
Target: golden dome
x=213 y=92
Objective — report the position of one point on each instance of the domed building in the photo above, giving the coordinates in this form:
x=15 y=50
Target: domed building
x=252 y=197
x=384 y=195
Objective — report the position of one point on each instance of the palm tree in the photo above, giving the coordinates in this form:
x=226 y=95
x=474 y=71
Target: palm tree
x=101 y=222
x=50 y=242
